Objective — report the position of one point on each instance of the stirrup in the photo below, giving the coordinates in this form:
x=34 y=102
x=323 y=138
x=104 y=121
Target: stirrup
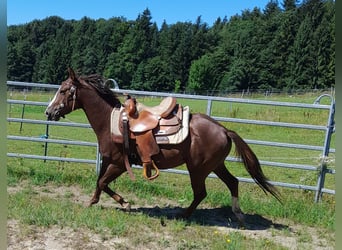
x=147 y=165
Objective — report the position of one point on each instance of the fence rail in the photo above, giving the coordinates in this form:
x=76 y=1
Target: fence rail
x=321 y=167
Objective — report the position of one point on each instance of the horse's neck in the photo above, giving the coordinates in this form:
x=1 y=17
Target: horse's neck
x=98 y=114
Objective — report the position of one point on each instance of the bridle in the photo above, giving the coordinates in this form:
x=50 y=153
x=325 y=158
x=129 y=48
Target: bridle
x=73 y=91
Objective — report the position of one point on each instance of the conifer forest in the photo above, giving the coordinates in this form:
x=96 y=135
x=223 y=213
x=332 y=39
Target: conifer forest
x=286 y=46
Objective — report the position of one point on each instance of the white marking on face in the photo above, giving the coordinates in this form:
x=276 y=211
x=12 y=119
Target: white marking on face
x=54 y=98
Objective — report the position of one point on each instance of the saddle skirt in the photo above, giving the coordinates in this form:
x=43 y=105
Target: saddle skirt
x=172 y=129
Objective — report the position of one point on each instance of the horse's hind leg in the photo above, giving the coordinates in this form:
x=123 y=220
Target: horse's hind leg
x=233 y=184
x=199 y=191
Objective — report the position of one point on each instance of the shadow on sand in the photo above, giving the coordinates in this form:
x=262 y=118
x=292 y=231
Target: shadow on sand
x=223 y=217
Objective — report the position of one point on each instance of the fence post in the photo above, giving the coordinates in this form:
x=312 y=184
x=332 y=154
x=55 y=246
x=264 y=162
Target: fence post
x=330 y=129
x=98 y=160
x=209 y=107
x=46 y=136
x=22 y=115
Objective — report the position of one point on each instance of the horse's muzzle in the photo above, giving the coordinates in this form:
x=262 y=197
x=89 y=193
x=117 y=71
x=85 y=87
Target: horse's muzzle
x=53 y=115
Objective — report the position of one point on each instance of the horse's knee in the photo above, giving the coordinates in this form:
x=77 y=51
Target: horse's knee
x=102 y=185
x=104 y=181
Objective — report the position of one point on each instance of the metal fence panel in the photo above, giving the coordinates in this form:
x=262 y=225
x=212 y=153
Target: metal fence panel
x=329 y=129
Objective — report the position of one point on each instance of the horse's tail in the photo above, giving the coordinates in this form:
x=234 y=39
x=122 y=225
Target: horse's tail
x=252 y=164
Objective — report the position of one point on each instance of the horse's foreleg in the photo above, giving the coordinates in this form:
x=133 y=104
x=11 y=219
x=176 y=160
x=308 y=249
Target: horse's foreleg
x=118 y=198
x=233 y=185
x=96 y=197
x=110 y=174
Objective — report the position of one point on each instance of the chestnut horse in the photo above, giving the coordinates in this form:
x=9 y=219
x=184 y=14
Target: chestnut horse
x=203 y=151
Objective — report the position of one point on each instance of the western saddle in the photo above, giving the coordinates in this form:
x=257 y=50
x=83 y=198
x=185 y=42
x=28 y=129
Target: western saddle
x=144 y=124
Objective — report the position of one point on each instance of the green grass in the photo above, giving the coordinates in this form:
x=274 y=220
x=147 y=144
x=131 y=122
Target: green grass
x=33 y=208
x=177 y=189
x=30 y=207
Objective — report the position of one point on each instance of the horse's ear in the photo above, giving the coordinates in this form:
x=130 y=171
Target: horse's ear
x=72 y=75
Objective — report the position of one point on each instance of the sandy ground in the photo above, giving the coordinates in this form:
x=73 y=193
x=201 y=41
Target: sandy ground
x=287 y=234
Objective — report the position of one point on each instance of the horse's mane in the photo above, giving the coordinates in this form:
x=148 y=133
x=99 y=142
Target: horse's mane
x=97 y=82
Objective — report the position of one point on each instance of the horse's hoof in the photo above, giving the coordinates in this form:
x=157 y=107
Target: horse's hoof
x=92 y=202
x=126 y=206
x=241 y=219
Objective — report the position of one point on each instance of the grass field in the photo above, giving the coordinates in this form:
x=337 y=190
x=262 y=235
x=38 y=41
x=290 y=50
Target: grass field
x=34 y=180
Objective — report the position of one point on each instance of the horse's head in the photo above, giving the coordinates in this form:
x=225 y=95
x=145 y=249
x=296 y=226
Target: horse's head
x=65 y=99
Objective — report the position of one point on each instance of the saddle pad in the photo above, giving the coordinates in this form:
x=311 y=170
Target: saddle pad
x=115 y=125
x=161 y=139
x=181 y=135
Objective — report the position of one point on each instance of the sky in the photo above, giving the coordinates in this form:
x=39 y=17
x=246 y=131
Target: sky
x=172 y=11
